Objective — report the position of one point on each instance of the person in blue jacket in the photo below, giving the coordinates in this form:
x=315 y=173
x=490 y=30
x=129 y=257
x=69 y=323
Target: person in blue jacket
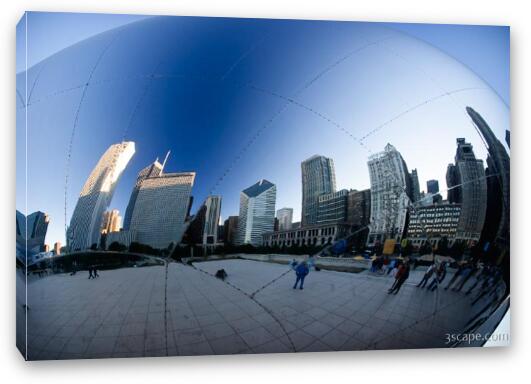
x=301 y=271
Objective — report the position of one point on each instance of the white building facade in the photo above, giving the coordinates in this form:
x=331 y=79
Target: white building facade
x=96 y=195
x=257 y=212
x=390 y=185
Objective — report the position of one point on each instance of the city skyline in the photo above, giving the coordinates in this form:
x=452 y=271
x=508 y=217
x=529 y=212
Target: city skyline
x=310 y=160
x=232 y=131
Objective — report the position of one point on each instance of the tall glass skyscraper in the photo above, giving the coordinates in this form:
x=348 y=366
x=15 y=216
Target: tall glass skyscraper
x=96 y=195
x=390 y=195
x=152 y=170
x=318 y=178
x=161 y=208
x=415 y=186
x=285 y=218
x=432 y=186
x=204 y=227
x=257 y=212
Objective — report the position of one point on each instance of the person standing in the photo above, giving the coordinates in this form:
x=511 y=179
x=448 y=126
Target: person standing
x=438 y=278
x=401 y=276
x=301 y=271
x=426 y=276
x=457 y=273
x=95 y=271
x=91 y=276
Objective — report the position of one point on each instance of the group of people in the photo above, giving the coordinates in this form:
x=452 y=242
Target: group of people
x=486 y=276
x=384 y=265
x=435 y=274
x=93 y=272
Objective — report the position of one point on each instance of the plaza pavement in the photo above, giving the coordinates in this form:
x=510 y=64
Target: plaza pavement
x=185 y=310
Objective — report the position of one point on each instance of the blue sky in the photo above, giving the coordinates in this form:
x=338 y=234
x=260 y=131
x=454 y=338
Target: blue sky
x=216 y=92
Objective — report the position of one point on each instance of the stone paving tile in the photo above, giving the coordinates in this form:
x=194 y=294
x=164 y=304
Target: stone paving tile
x=229 y=345
x=122 y=313
x=200 y=348
x=256 y=337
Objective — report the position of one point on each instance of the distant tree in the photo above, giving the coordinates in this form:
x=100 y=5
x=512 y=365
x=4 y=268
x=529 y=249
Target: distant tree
x=457 y=249
x=117 y=247
x=443 y=247
x=425 y=248
x=407 y=250
x=94 y=247
x=143 y=248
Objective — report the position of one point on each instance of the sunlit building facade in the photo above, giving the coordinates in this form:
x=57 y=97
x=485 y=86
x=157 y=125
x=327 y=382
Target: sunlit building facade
x=152 y=170
x=96 y=195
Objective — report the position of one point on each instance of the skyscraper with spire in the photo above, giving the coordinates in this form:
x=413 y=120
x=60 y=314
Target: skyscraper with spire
x=152 y=170
x=96 y=195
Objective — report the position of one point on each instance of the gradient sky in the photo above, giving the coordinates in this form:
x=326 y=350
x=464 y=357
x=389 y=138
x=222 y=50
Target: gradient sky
x=215 y=91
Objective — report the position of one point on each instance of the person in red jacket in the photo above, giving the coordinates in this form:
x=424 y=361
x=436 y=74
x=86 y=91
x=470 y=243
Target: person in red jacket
x=401 y=276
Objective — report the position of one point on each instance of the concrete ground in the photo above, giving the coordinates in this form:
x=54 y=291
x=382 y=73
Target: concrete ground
x=185 y=310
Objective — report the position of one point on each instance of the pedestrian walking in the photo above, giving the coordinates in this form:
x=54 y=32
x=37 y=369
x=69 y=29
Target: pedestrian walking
x=301 y=271
x=466 y=274
x=95 y=271
x=457 y=273
x=91 y=276
x=438 y=278
x=429 y=272
x=392 y=265
x=482 y=274
x=400 y=278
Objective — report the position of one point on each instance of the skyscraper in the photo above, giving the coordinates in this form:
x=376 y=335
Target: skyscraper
x=468 y=187
x=318 y=178
x=257 y=212
x=152 y=170
x=96 y=195
x=432 y=186
x=499 y=169
x=161 y=207
x=390 y=195
x=30 y=238
x=332 y=207
x=230 y=230
x=285 y=218
x=415 y=186
x=359 y=208
x=204 y=227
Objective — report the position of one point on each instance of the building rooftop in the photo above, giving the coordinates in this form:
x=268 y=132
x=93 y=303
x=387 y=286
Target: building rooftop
x=258 y=188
